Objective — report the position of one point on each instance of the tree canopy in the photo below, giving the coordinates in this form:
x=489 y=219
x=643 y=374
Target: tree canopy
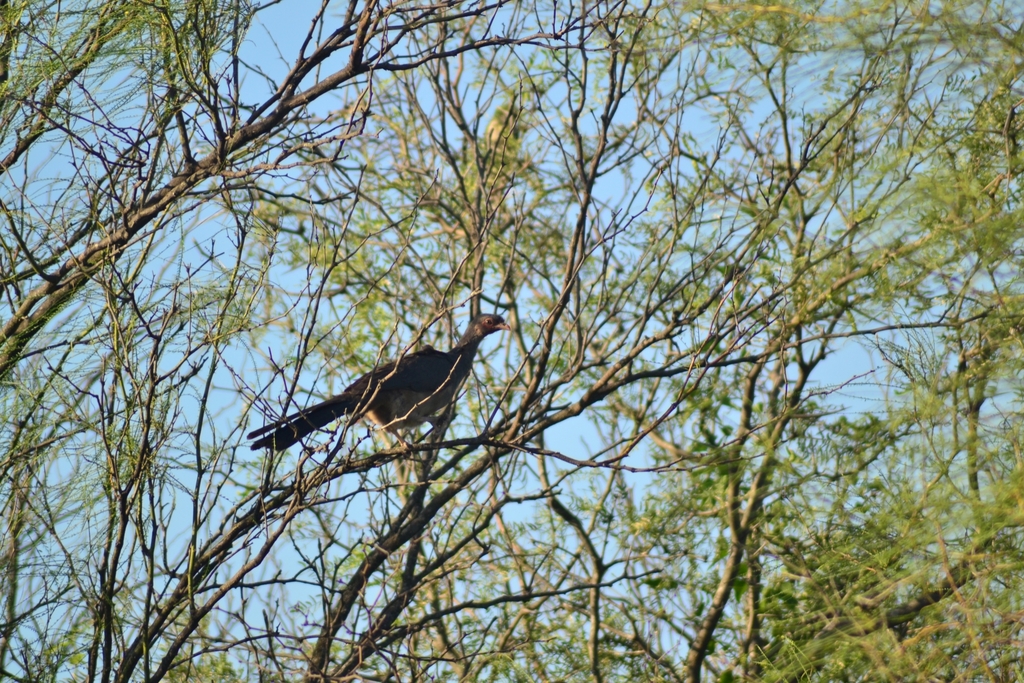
x=758 y=417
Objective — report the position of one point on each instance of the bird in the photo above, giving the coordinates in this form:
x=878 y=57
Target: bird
x=401 y=394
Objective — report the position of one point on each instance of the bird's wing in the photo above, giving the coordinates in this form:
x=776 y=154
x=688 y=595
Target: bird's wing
x=424 y=371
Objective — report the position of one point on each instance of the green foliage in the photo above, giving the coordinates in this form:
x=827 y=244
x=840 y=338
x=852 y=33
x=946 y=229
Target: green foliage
x=758 y=418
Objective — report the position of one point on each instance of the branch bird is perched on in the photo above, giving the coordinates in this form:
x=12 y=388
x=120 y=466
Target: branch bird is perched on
x=402 y=394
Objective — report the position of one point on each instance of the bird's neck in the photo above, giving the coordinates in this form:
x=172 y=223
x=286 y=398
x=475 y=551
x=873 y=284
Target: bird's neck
x=467 y=346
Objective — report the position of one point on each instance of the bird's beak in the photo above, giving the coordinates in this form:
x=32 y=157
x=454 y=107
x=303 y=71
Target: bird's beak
x=503 y=326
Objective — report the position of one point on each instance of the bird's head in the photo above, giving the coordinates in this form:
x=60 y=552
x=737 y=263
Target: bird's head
x=483 y=325
x=490 y=322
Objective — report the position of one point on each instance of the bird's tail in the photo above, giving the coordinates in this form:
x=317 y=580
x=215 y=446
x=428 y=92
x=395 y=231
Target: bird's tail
x=288 y=430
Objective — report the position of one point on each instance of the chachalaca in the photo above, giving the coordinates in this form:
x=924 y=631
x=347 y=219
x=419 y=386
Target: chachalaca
x=402 y=394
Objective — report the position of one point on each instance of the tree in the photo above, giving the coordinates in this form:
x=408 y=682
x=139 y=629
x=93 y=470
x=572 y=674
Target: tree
x=758 y=416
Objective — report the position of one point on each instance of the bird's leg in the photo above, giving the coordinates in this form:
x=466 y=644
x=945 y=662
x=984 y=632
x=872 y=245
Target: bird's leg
x=394 y=433
x=439 y=424
x=433 y=421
